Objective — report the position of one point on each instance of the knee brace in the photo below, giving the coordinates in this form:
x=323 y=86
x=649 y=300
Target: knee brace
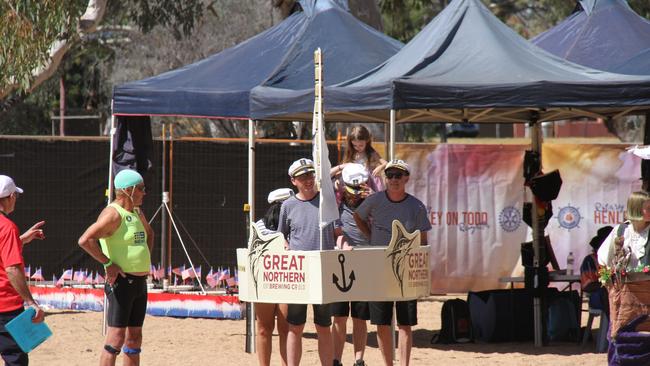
x=112 y=350
x=131 y=351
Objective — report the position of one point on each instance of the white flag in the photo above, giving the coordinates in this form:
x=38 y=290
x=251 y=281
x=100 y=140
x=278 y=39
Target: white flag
x=328 y=208
x=328 y=211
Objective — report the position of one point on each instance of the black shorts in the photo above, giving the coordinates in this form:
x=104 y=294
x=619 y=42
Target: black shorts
x=359 y=309
x=381 y=313
x=11 y=352
x=297 y=314
x=127 y=301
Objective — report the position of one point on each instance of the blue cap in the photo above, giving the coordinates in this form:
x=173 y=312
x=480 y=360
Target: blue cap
x=127 y=178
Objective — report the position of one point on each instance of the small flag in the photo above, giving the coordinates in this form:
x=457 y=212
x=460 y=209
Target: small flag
x=38 y=275
x=89 y=279
x=231 y=281
x=225 y=274
x=28 y=271
x=178 y=271
x=67 y=274
x=60 y=282
x=188 y=273
x=78 y=276
x=210 y=278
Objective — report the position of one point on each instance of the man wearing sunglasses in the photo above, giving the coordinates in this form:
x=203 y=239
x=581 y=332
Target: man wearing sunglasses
x=126 y=241
x=374 y=217
x=14 y=292
x=300 y=225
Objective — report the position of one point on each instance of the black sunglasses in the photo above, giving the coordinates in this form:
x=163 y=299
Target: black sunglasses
x=396 y=175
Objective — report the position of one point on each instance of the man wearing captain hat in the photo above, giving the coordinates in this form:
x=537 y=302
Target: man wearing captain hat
x=374 y=218
x=14 y=292
x=299 y=222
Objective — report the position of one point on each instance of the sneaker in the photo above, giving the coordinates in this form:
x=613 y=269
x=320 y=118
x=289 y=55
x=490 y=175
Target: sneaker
x=359 y=363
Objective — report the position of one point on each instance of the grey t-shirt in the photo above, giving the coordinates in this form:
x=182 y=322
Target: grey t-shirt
x=299 y=224
x=380 y=212
x=352 y=234
x=262 y=228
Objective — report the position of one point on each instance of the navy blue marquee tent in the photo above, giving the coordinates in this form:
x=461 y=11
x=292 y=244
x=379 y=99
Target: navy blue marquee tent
x=636 y=65
x=219 y=86
x=466 y=65
x=601 y=34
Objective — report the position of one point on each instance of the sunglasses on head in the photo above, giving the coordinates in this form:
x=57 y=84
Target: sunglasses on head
x=396 y=175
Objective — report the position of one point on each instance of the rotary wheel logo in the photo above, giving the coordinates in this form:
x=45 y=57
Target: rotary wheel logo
x=569 y=217
x=510 y=218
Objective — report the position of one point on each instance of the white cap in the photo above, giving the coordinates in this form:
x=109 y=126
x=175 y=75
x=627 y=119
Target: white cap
x=354 y=174
x=398 y=164
x=280 y=195
x=7 y=186
x=300 y=167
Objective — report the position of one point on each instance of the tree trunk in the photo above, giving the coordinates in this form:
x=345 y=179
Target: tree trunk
x=87 y=24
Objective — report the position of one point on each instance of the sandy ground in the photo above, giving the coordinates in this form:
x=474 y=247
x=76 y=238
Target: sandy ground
x=77 y=340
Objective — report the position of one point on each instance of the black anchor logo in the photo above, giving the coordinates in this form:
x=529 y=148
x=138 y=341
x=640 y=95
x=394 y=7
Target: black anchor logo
x=335 y=279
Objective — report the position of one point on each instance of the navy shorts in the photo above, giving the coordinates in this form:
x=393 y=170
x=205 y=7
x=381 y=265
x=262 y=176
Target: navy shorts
x=358 y=309
x=127 y=301
x=297 y=314
x=381 y=312
x=11 y=353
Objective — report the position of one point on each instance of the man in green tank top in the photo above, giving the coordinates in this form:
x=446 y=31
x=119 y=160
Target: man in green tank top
x=122 y=240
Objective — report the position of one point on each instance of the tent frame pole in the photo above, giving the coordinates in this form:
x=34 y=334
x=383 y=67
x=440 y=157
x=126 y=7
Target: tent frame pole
x=164 y=255
x=250 y=308
x=109 y=197
x=391 y=141
x=536 y=144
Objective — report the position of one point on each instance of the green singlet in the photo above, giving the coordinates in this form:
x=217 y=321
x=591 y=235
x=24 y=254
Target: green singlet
x=127 y=247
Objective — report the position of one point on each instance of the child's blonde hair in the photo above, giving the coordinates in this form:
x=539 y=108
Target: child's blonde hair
x=634 y=209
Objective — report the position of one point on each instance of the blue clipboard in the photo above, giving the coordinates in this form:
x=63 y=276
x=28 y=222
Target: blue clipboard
x=28 y=335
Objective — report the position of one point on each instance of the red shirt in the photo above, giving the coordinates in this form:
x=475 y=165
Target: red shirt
x=11 y=254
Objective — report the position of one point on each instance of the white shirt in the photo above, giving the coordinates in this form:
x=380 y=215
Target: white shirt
x=632 y=240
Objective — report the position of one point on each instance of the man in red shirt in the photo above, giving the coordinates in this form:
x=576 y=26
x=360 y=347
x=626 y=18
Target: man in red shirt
x=14 y=291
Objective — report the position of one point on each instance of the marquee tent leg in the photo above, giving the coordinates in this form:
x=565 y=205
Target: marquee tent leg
x=109 y=196
x=536 y=141
x=164 y=255
x=391 y=143
x=250 y=308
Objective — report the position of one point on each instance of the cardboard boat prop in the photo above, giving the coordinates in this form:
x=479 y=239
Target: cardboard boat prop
x=269 y=273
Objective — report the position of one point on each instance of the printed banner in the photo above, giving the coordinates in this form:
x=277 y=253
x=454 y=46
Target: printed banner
x=475 y=193
x=158 y=304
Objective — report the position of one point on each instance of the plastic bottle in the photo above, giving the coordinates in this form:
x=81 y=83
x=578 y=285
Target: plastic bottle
x=569 y=264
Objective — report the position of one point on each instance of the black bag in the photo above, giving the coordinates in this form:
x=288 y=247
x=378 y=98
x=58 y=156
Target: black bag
x=456 y=323
x=563 y=312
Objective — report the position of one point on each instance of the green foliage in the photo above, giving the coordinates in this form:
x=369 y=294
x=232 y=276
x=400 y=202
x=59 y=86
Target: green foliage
x=28 y=29
x=178 y=16
x=641 y=7
x=405 y=18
